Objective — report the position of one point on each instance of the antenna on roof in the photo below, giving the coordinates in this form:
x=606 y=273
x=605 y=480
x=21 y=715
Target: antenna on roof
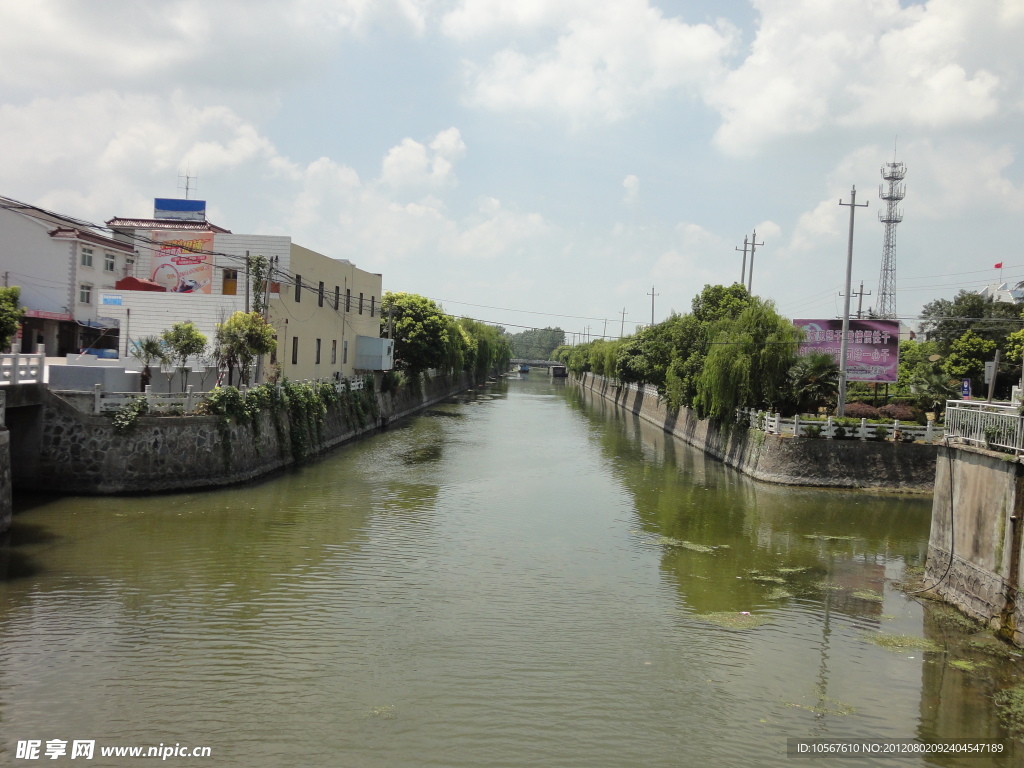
x=190 y=182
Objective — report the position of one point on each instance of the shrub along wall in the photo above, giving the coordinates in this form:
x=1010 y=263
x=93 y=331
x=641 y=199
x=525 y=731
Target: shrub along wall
x=82 y=453
x=904 y=467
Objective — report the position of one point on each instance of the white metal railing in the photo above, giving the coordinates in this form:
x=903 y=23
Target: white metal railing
x=988 y=425
x=22 y=369
x=186 y=402
x=829 y=428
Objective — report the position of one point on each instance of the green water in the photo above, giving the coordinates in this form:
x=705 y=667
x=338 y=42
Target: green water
x=520 y=577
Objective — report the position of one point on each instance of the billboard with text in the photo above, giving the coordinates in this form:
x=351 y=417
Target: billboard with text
x=182 y=262
x=873 y=346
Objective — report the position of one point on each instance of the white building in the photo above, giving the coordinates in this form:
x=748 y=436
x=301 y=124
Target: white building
x=1002 y=292
x=61 y=265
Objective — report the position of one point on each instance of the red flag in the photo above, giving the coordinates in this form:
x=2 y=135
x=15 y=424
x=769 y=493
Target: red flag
x=998 y=266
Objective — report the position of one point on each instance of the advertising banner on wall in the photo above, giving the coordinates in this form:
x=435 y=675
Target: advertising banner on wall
x=872 y=351
x=183 y=261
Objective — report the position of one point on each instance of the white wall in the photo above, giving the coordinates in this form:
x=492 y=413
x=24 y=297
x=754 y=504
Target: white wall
x=149 y=313
x=41 y=266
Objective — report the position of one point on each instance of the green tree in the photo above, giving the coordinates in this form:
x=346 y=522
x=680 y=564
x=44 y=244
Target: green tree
x=183 y=340
x=240 y=340
x=147 y=350
x=421 y=330
x=11 y=314
x=814 y=382
x=914 y=361
x=536 y=343
x=933 y=389
x=967 y=357
x=944 y=321
x=748 y=363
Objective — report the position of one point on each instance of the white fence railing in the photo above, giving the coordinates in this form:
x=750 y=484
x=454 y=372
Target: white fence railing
x=22 y=369
x=987 y=425
x=184 y=403
x=829 y=428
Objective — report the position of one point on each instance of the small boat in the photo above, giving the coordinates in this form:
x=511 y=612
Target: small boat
x=524 y=369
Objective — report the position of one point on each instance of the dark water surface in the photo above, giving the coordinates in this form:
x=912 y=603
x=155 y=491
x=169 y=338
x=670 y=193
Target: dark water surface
x=521 y=577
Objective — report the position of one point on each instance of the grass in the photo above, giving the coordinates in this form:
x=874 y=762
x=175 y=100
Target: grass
x=966 y=665
x=730 y=620
x=902 y=642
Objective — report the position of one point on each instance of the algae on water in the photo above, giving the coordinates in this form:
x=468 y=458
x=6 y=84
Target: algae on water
x=867 y=594
x=902 y=642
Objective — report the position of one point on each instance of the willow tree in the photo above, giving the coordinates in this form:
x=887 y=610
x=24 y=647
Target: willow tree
x=747 y=363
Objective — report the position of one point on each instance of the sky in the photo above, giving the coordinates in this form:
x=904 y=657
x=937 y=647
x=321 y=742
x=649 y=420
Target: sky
x=542 y=162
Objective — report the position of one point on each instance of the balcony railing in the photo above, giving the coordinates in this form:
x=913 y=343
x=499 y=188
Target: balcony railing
x=986 y=425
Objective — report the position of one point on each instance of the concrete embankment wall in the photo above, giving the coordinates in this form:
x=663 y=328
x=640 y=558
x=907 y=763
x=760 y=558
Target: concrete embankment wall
x=905 y=467
x=974 y=551
x=80 y=453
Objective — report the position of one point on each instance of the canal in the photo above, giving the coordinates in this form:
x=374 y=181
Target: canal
x=523 y=576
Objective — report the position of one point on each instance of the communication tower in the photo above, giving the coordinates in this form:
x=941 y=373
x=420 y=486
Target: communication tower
x=893 y=173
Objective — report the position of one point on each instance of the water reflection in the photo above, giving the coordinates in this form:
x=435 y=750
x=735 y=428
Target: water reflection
x=519 y=577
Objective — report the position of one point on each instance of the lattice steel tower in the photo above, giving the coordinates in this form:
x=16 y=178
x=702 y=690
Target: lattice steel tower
x=885 y=305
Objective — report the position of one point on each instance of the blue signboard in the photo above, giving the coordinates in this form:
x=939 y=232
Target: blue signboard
x=965 y=389
x=181 y=210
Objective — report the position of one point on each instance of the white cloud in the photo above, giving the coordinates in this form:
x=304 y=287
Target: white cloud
x=632 y=186
x=411 y=164
x=610 y=56
x=872 y=62
x=60 y=46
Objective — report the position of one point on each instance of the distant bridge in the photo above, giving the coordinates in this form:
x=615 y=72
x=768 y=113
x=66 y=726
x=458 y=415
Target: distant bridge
x=535 y=363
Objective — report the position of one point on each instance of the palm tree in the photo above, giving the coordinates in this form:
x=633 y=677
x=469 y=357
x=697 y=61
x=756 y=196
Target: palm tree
x=148 y=350
x=814 y=381
x=933 y=389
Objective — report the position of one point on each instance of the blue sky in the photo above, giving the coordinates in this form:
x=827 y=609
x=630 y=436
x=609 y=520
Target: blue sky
x=554 y=157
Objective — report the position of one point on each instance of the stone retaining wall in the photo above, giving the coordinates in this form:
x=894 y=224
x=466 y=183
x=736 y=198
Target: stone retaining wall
x=80 y=453
x=5 y=479
x=903 y=467
x=976 y=512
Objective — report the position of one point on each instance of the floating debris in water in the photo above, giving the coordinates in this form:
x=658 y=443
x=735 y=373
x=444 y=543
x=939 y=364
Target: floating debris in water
x=728 y=620
x=764 y=578
x=966 y=665
x=830 y=586
x=668 y=541
x=839 y=708
x=902 y=642
x=386 y=712
x=823 y=537
x=867 y=594
x=950 y=618
x=779 y=594
x=994 y=648
x=794 y=569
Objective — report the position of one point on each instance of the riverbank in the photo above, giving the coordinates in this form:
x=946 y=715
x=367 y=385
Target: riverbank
x=863 y=465
x=81 y=453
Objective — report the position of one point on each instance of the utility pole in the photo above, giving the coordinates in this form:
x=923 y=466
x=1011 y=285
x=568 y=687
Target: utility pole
x=604 y=333
x=248 y=267
x=860 y=299
x=743 y=269
x=753 y=247
x=652 y=294
x=622 y=325
x=841 y=410
x=266 y=303
x=6 y=274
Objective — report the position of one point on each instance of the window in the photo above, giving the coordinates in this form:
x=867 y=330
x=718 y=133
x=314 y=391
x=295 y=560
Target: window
x=129 y=267
x=334 y=351
x=320 y=297
x=373 y=300
x=317 y=361
x=360 y=303
x=295 y=350
x=230 y=284
x=337 y=298
x=109 y=262
x=85 y=294
x=298 y=288
x=344 y=353
x=348 y=299
x=87 y=257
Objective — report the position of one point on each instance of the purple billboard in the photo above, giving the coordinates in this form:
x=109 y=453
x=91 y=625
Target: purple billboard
x=872 y=351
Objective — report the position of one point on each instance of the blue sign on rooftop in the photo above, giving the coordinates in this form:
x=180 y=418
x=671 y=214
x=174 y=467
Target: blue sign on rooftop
x=183 y=210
